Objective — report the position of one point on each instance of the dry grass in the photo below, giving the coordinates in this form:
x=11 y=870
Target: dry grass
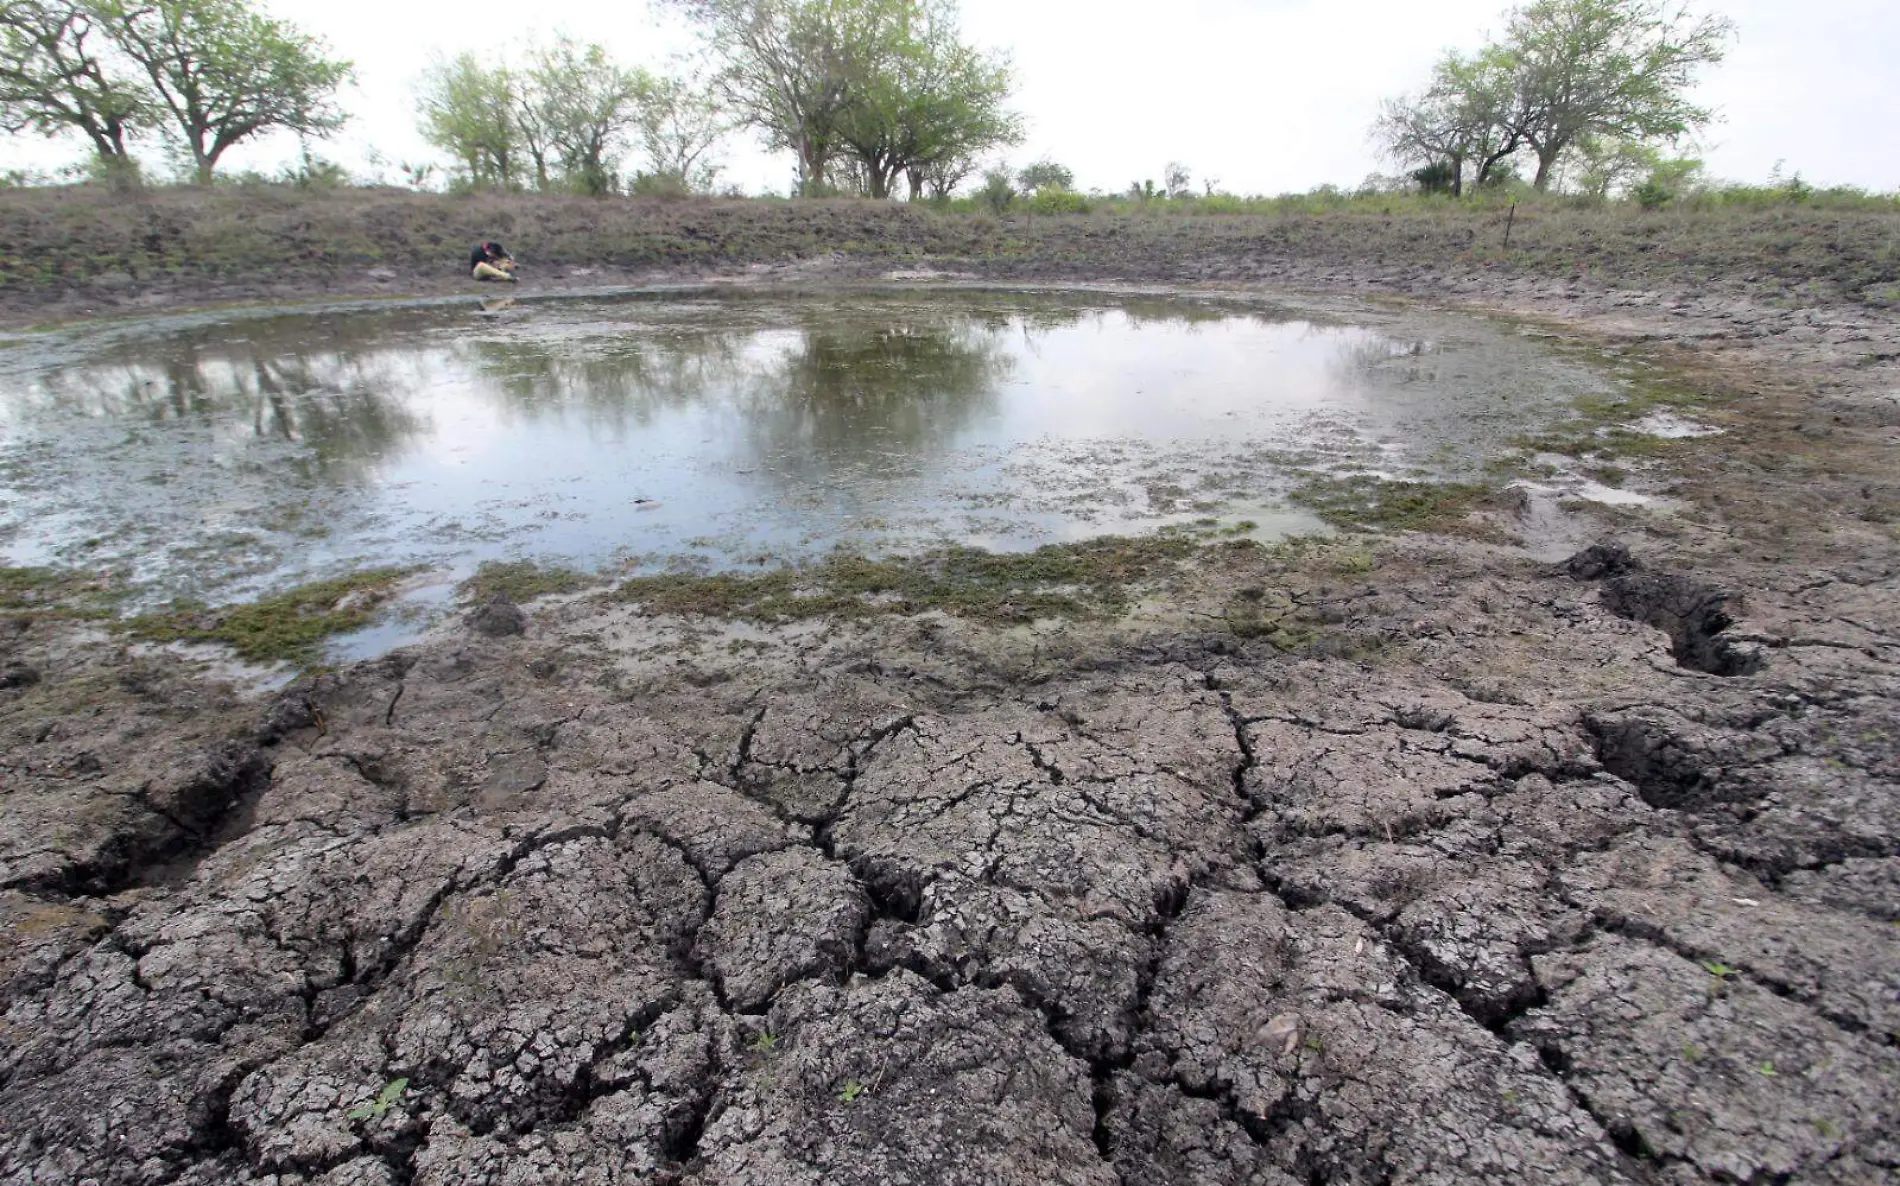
x=57 y=243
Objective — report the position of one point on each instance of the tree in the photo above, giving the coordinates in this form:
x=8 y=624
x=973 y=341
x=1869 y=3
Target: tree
x=1465 y=121
x=576 y=110
x=680 y=123
x=921 y=96
x=940 y=178
x=224 y=72
x=1612 y=69
x=54 y=78
x=784 y=66
x=1045 y=175
x=1568 y=74
x=468 y=110
x=877 y=89
x=1177 y=180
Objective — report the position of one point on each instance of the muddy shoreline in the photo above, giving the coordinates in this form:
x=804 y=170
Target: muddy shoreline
x=1495 y=870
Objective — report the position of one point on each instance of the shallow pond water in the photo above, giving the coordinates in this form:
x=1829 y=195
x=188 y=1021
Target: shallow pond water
x=219 y=456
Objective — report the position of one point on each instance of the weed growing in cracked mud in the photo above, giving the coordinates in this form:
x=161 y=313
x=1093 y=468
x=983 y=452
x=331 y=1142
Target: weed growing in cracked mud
x=386 y=1099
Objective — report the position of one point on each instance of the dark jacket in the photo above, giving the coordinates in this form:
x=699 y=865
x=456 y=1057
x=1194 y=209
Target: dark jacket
x=487 y=253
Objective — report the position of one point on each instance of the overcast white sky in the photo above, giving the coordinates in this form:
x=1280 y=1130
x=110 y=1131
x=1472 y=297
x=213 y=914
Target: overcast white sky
x=1265 y=96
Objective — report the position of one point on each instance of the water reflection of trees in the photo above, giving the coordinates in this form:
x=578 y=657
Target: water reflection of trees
x=833 y=381
x=817 y=386
x=1364 y=359
x=344 y=409
x=615 y=384
x=873 y=393
x=829 y=380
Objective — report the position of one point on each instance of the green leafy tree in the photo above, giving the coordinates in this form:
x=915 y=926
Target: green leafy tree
x=1567 y=75
x=680 y=124
x=922 y=97
x=784 y=67
x=224 y=73
x=575 y=113
x=1464 y=124
x=1045 y=176
x=56 y=77
x=1603 y=168
x=468 y=111
x=864 y=91
x=940 y=178
x=1611 y=69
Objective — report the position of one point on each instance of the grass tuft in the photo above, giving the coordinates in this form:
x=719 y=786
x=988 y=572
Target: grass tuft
x=1364 y=503
x=288 y=627
x=1092 y=579
x=522 y=580
x=53 y=592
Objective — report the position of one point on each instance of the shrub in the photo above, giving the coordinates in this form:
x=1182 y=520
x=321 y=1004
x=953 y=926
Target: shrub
x=1439 y=177
x=659 y=185
x=1653 y=194
x=1058 y=201
x=998 y=190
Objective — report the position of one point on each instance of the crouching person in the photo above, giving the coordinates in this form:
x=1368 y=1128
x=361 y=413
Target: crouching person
x=491 y=261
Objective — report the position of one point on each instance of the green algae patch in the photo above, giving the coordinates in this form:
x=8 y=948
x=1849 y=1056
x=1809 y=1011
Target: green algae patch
x=287 y=627
x=55 y=592
x=1584 y=440
x=1608 y=427
x=1365 y=503
x=1091 y=579
x=523 y=580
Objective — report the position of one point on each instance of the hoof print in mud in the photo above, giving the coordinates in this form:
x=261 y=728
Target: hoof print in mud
x=1695 y=615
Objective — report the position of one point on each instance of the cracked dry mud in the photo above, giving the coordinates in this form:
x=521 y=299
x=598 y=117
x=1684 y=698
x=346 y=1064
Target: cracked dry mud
x=1573 y=873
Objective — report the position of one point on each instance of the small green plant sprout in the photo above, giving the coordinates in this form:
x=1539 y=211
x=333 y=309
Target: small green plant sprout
x=384 y=1101
x=852 y=1090
x=1691 y=1052
x=1766 y=1070
x=765 y=1043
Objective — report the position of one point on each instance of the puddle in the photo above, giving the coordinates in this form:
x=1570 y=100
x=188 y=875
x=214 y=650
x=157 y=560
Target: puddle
x=218 y=457
x=418 y=608
x=1671 y=427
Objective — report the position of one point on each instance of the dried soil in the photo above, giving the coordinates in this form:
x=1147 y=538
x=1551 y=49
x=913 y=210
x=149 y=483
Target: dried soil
x=1522 y=873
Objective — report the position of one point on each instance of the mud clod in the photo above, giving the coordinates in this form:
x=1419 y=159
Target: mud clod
x=498 y=617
